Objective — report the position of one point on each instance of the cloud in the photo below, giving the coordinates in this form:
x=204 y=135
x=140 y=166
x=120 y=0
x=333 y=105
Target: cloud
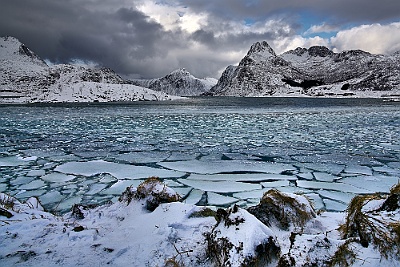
x=149 y=38
x=375 y=38
x=322 y=28
x=341 y=10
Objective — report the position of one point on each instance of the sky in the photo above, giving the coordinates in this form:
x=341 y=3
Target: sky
x=149 y=39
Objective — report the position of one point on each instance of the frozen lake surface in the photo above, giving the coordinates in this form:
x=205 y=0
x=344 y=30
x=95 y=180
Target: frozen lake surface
x=215 y=151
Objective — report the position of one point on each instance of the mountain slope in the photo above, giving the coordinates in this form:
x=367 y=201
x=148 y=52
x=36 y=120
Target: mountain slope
x=316 y=71
x=179 y=82
x=26 y=78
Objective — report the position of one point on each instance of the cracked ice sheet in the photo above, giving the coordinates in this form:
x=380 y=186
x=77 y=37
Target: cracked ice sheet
x=343 y=187
x=225 y=166
x=120 y=186
x=250 y=177
x=376 y=183
x=13 y=161
x=56 y=177
x=336 y=195
x=334 y=169
x=194 y=197
x=358 y=169
x=215 y=199
x=120 y=171
x=220 y=186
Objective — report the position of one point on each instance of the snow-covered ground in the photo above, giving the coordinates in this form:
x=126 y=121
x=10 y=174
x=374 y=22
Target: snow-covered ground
x=131 y=232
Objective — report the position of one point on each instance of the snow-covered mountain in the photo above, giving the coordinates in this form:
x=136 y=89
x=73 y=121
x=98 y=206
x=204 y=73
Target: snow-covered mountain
x=26 y=78
x=179 y=82
x=316 y=71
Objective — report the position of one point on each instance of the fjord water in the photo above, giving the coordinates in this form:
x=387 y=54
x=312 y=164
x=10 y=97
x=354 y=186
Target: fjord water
x=215 y=151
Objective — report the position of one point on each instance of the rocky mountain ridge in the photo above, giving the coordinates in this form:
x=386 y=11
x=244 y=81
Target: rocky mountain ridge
x=26 y=78
x=316 y=71
x=179 y=82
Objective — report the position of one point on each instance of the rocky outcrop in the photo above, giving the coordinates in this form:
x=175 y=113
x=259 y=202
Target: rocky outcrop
x=179 y=82
x=316 y=71
x=283 y=210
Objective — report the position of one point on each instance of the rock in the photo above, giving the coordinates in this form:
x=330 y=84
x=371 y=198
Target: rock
x=152 y=191
x=373 y=219
x=283 y=209
x=227 y=244
x=5 y=213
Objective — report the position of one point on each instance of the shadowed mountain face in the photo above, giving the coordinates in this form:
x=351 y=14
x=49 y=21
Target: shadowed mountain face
x=315 y=71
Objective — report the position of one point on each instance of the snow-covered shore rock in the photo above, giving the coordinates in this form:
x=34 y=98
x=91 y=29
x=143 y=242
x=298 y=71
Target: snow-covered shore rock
x=316 y=71
x=26 y=78
x=176 y=234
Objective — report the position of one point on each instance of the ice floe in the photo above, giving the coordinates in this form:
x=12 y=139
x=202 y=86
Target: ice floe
x=227 y=166
x=333 y=186
x=275 y=184
x=120 y=186
x=254 y=195
x=331 y=205
x=220 y=186
x=35 y=184
x=53 y=196
x=215 y=199
x=143 y=157
x=56 y=177
x=342 y=197
x=120 y=171
x=248 y=177
x=194 y=197
x=334 y=169
x=324 y=177
x=12 y=161
x=357 y=169
x=34 y=173
x=375 y=183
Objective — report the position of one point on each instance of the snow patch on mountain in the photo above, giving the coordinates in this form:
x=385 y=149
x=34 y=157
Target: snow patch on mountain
x=26 y=78
x=179 y=82
x=316 y=71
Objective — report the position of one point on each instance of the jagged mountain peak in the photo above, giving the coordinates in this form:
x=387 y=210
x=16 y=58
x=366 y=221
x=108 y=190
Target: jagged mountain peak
x=12 y=48
x=181 y=71
x=179 y=82
x=314 y=71
x=313 y=51
x=26 y=78
x=262 y=49
x=320 y=51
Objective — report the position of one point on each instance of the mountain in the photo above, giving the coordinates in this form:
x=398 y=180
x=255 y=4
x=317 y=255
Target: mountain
x=316 y=71
x=179 y=82
x=26 y=78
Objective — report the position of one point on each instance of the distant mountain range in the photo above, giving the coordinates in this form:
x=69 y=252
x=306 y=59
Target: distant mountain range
x=179 y=82
x=26 y=78
x=316 y=71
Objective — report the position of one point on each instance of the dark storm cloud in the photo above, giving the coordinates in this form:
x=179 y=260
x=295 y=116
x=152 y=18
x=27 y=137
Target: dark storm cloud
x=118 y=35
x=61 y=31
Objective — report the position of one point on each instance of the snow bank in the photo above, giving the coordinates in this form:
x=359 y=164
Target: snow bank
x=176 y=234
